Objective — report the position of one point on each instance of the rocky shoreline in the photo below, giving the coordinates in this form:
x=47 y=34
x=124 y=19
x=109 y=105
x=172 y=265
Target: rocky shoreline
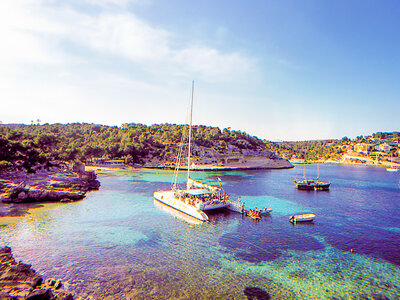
x=20 y=190
x=19 y=281
x=229 y=157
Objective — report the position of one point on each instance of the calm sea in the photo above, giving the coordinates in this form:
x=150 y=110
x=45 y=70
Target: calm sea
x=119 y=244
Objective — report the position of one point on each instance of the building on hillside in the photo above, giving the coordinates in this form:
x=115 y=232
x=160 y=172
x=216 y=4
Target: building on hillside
x=378 y=155
x=124 y=126
x=375 y=140
x=362 y=148
x=385 y=147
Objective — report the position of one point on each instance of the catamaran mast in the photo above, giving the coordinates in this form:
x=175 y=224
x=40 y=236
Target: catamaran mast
x=190 y=136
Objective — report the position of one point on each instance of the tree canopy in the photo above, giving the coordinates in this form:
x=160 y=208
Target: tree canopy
x=81 y=141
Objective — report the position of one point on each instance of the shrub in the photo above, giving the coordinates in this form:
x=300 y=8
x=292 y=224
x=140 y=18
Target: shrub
x=5 y=165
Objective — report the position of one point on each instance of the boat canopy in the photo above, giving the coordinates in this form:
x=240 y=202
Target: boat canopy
x=196 y=184
x=197 y=192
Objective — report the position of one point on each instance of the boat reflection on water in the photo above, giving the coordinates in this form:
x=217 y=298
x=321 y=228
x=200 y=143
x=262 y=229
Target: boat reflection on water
x=177 y=214
x=216 y=216
x=302 y=224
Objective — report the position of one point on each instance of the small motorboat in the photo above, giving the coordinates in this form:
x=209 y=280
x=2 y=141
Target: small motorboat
x=264 y=211
x=302 y=218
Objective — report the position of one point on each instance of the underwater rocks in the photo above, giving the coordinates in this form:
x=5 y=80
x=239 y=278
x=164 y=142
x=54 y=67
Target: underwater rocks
x=266 y=242
x=20 y=281
x=60 y=185
x=255 y=293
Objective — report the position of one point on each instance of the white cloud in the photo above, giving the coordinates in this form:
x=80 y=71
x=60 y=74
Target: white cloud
x=38 y=33
x=210 y=62
x=18 y=42
x=123 y=35
x=55 y=54
x=122 y=3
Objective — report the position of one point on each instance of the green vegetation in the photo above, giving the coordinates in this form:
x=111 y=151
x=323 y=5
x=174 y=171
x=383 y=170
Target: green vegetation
x=330 y=149
x=308 y=150
x=387 y=135
x=29 y=145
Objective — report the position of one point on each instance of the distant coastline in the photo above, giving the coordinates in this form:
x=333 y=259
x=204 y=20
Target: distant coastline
x=381 y=164
x=260 y=163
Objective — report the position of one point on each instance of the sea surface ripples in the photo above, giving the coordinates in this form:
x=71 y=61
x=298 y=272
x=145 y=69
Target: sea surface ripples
x=119 y=243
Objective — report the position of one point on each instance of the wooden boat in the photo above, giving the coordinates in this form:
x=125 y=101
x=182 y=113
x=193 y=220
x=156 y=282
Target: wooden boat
x=302 y=218
x=307 y=184
x=321 y=186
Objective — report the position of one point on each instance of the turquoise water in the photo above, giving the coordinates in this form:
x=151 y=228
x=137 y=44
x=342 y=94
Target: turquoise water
x=119 y=244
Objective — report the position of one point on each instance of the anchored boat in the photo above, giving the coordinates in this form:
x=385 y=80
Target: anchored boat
x=307 y=184
x=392 y=168
x=302 y=218
x=197 y=197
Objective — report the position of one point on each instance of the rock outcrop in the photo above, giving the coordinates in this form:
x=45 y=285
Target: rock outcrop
x=20 y=281
x=46 y=185
x=227 y=157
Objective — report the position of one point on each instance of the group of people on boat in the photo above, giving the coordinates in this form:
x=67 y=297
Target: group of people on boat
x=257 y=213
x=253 y=213
x=193 y=199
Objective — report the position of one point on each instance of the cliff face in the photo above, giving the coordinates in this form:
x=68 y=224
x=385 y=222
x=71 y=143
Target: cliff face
x=227 y=156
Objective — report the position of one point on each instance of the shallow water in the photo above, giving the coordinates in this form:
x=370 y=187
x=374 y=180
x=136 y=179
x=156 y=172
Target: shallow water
x=120 y=244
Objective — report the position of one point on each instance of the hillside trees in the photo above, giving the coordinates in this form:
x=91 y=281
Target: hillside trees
x=134 y=144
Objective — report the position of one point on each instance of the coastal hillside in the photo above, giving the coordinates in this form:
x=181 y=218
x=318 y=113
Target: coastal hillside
x=136 y=144
x=381 y=148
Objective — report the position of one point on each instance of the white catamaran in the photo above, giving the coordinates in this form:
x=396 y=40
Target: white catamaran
x=197 y=197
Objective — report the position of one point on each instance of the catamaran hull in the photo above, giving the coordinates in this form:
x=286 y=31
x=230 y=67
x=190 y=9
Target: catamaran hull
x=236 y=207
x=213 y=206
x=176 y=213
x=168 y=198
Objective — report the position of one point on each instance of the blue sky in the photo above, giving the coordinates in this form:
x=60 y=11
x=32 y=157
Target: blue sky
x=280 y=70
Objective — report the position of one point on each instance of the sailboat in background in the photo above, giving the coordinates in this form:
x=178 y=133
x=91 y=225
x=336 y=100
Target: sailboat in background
x=309 y=184
x=197 y=197
x=392 y=168
x=321 y=185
